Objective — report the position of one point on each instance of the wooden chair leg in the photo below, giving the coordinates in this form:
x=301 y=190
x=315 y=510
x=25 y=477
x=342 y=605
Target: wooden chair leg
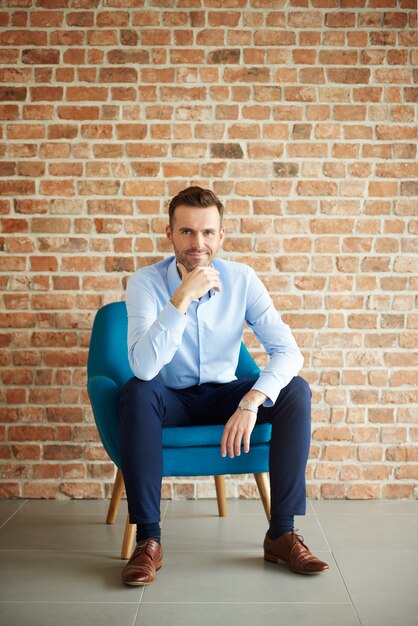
x=221 y=495
x=128 y=539
x=262 y=480
x=118 y=488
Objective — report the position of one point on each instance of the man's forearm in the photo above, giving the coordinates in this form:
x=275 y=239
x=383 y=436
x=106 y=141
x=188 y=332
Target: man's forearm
x=255 y=397
x=156 y=345
x=180 y=300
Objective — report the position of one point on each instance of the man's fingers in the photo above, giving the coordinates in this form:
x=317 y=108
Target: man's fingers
x=200 y=278
x=247 y=441
x=230 y=443
x=216 y=285
x=232 y=439
x=223 y=442
x=212 y=276
x=227 y=442
x=237 y=443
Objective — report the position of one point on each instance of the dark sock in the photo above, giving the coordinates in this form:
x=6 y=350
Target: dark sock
x=281 y=524
x=145 y=531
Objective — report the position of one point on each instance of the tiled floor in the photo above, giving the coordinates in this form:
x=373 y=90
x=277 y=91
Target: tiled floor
x=60 y=565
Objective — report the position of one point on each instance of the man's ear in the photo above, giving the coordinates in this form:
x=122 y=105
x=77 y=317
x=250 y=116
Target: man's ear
x=168 y=232
x=222 y=234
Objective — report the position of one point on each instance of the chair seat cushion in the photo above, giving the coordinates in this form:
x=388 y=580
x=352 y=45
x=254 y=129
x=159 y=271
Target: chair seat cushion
x=192 y=436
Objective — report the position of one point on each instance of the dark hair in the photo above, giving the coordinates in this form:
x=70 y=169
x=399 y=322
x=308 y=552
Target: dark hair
x=195 y=196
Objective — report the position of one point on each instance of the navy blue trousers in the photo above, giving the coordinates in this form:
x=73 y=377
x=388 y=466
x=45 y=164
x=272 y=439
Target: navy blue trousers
x=147 y=406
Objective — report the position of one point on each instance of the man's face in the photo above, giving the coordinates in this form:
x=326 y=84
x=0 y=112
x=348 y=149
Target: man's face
x=196 y=235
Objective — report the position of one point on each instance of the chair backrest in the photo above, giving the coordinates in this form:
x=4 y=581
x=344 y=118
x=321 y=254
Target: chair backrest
x=108 y=353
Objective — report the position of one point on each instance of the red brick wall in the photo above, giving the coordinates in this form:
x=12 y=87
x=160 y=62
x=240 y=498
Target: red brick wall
x=300 y=115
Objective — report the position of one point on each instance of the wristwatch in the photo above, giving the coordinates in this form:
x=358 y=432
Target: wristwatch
x=246 y=405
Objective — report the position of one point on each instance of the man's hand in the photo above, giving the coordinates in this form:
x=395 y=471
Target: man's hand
x=194 y=284
x=239 y=426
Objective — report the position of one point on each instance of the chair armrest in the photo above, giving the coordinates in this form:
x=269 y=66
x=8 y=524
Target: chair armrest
x=104 y=396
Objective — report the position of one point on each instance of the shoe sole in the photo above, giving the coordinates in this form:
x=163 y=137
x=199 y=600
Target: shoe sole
x=139 y=584
x=275 y=559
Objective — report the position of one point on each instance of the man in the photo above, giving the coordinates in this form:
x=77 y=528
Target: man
x=185 y=323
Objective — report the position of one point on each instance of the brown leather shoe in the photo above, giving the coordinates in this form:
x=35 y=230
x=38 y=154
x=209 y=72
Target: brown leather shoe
x=146 y=559
x=290 y=548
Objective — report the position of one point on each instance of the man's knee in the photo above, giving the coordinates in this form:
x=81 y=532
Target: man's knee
x=296 y=397
x=300 y=387
x=137 y=389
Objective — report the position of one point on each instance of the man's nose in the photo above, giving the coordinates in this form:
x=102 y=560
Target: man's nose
x=198 y=240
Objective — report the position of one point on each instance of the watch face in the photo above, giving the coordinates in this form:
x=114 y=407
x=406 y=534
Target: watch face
x=245 y=404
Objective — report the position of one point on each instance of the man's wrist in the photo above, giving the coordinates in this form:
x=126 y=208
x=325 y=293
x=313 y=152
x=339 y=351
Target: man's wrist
x=255 y=397
x=180 y=300
x=246 y=405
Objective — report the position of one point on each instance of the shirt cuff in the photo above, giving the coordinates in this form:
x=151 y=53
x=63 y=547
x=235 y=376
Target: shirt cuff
x=172 y=319
x=268 y=385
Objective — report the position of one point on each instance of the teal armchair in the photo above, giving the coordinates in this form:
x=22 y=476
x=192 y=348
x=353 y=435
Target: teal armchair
x=187 y=451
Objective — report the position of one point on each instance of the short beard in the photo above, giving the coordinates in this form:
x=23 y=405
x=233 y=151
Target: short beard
x=191 y=265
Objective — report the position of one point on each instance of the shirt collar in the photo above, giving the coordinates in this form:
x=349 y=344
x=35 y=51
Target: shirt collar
x=174 y=280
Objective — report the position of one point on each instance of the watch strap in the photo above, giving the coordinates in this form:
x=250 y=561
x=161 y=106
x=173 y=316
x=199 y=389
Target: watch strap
x=246 y=405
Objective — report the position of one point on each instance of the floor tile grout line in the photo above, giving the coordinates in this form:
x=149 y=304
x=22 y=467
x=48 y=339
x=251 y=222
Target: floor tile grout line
x=169 y=602
x=348 y=592
x=67 y=602
x=243 y=602
x=322 y=530
x=14 y=513
x=136 y=612
x=336 y=563
x=165 y=512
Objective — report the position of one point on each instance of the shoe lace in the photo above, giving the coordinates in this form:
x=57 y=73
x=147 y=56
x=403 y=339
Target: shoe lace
x=143 y=546
x=299 y=537
x=302 y=556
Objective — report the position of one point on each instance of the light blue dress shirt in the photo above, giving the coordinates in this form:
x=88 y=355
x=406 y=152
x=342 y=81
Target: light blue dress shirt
x=201 y=346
